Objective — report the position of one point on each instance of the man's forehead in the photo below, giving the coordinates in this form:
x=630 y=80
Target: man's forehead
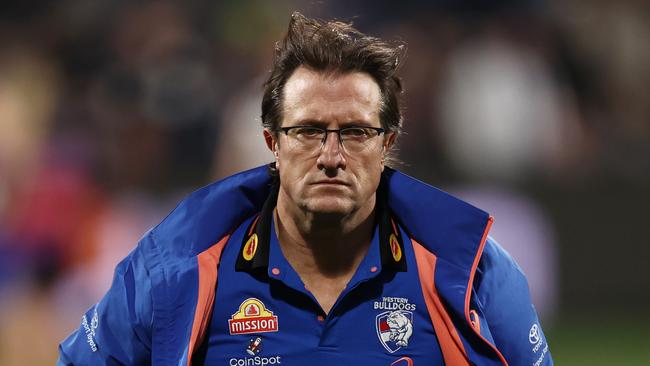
x=317 y=95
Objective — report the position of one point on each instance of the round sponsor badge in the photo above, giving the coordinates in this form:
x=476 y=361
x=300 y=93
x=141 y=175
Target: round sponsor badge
x=394 y=248
x=250 y=248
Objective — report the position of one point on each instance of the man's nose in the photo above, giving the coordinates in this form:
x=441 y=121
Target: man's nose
x=331 y=155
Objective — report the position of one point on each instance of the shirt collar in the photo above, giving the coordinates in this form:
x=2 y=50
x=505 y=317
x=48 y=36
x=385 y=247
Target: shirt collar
x=255 y=245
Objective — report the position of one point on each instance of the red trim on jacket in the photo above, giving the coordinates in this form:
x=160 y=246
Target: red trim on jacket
x=208 y=262
x=468 y=292
x=451 y=346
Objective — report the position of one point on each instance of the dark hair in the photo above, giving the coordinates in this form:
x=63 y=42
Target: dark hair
x=334 y=46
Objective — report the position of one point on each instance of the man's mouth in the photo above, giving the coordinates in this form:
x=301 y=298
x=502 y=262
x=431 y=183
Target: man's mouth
x=333 y=182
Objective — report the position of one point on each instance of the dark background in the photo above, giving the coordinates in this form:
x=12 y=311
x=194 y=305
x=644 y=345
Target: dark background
x=537 y=111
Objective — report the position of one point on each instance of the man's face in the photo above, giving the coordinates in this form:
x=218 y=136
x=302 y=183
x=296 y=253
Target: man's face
x=330 y=178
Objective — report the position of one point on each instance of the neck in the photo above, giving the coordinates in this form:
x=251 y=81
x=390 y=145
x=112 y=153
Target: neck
x=328 y=245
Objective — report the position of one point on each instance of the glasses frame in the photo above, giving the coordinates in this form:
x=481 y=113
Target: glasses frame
x=328 y=131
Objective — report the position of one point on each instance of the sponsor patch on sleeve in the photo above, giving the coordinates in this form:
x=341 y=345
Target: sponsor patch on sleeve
x=90 y=328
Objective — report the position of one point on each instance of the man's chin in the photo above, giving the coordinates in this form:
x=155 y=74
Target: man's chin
x=329 y=207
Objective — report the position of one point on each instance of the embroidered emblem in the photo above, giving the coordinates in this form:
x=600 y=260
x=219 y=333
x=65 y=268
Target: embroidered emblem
x=250 y=248
x=535 y=338
x=252 y=317
x=255 y=346
x=533 y=334
x=394 y=328
x=394 y=248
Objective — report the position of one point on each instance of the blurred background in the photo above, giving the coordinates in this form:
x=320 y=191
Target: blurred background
x=537 y=111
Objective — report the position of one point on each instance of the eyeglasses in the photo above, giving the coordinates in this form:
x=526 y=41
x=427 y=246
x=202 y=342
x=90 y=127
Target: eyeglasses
x=310 y=138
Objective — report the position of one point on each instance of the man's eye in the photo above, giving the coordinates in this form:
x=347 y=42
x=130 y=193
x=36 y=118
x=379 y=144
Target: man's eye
x=355 y=132
x=308 y=132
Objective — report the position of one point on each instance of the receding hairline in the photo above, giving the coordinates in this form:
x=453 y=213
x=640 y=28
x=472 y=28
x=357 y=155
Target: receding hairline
x=331 y=73
x=361 y=93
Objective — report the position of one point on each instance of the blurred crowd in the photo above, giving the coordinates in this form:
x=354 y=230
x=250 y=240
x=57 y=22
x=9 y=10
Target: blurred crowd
x=111 y=111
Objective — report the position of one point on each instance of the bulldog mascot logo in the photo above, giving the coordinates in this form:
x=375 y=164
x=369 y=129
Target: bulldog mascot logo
x=394 y=329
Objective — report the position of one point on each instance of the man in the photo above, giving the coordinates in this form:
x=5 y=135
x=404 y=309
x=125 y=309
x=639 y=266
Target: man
x=328 y=257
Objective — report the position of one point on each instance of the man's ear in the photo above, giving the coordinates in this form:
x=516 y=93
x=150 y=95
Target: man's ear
x=272 y=144
x=389 y=141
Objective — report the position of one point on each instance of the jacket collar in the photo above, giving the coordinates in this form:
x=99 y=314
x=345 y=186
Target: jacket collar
x=255 y=245
x=448 y=227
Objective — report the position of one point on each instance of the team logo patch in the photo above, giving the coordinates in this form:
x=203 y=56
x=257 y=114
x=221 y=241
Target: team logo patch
x=252 y=317
x=394 y=247
x=250 y=248
x=394 y=328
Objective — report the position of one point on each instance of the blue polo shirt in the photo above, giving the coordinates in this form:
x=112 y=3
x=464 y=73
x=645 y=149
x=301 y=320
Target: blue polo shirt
x=263 y=315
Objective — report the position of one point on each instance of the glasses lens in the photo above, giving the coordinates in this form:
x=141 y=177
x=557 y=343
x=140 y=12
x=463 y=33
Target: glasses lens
x=357 y=139
x=306 y=138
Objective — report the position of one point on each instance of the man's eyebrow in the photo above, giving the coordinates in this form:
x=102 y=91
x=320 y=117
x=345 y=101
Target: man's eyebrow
x=357 y=124
x=319 y=123
x=311 y=122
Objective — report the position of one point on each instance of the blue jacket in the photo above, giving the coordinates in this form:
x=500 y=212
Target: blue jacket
x=160 y=301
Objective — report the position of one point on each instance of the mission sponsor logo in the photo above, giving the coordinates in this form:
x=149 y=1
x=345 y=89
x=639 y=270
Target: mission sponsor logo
x=252 y=317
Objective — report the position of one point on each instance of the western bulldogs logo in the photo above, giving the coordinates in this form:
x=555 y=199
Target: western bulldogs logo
x=394 y=328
